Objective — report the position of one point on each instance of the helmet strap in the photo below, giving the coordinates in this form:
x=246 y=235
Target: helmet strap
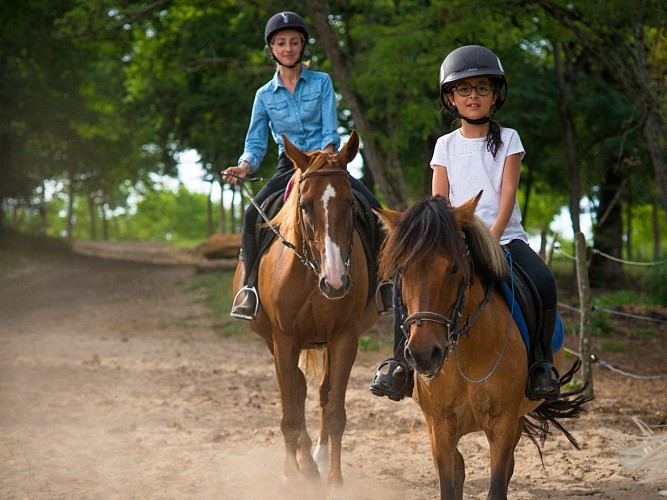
x=478 y=121
x=292 y=66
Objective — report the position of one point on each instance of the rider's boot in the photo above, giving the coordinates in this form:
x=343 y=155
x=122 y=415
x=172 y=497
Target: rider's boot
x=394 y=377
x=543 y=377
x=246 y=300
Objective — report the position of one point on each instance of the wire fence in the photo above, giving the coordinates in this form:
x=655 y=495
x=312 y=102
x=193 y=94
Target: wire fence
x=661 y=321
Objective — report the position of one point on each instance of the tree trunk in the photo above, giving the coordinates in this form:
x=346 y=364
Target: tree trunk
x=628 y=230
x=384 y=167
x=529 y=181
x=654 y=131
x=585 y=327
x=70 y=205
x=105 y=222
x=93 y=218
x=657 y=250
x=565 y=75
x=209 y=211
x=608 y=234
x=42 y=210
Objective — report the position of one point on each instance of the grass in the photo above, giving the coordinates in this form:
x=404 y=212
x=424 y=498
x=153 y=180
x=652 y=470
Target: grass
x=213 y=290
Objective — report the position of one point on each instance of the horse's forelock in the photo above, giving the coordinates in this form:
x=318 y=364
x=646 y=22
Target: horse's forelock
x=424 y=230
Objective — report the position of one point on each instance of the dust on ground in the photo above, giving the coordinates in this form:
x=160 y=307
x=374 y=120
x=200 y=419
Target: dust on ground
x=116 y=384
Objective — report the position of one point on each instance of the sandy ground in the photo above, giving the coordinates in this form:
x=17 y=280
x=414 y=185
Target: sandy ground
x=115 y=384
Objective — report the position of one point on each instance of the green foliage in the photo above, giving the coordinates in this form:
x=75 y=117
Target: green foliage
x=368 y=343
x=95 y=96
x=655 y=283
x=165 y=216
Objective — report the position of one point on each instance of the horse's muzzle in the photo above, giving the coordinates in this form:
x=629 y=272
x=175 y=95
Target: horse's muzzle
x=332 y=292
x=426 y=360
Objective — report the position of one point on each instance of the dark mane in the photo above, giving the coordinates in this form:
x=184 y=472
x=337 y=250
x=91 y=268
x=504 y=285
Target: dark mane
x=428 y=228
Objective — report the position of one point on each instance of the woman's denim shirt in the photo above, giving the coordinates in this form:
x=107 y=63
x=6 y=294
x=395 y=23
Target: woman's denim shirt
x=308 y=118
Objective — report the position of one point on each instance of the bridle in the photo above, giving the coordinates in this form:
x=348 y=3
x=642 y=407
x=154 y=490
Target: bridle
x=450 y=324
x=311 y=261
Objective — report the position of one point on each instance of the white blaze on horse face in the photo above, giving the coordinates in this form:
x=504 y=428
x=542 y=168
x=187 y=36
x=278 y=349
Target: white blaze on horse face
x=332 y=266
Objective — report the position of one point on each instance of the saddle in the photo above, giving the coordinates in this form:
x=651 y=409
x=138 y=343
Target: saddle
x=364 y=223
x=527 y=302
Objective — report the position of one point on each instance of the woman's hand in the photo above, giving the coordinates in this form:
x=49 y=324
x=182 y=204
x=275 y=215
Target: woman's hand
x=232 y=174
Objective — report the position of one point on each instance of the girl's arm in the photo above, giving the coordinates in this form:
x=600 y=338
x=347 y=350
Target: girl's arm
x=440 y=183
x=508 y=189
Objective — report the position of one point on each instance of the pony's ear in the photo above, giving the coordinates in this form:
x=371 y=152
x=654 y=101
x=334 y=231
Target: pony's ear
x=350 y=150
x=298 y=157
x=464 y=213
x=389 y=218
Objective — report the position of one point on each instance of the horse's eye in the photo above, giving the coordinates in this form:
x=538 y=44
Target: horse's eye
x=454 y=269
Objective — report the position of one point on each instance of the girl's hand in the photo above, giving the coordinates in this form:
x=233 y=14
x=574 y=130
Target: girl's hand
x=241 y=171
x=496 y=233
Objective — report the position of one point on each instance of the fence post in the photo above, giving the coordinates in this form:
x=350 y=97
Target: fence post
x=585 y=328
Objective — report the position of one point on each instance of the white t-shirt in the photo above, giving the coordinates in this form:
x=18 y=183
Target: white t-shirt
x=472 y=168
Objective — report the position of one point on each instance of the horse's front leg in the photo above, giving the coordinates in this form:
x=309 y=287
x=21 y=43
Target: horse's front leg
x=449 y=463
x=503 y=436
x=342 y=354
x=322 y=452
x=292 y=384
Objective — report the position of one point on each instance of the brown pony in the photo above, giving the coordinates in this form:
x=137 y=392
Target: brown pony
x=314 y=292
x=470 y=360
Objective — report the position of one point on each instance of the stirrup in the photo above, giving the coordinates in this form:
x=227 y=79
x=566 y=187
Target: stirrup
x=543 y=386
x=392 y=379
x=240 y=312
x=384 y=297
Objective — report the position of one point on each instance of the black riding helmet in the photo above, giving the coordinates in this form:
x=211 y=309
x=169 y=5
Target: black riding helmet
x=284 y=21
x=467 y=62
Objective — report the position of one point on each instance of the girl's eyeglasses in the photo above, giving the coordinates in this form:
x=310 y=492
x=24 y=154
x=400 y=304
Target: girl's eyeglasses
x=464 y=90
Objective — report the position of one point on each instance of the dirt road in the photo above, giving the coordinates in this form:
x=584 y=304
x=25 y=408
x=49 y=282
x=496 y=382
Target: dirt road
x=114 y=384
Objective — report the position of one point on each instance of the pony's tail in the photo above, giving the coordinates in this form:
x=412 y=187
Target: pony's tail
x=571 y=405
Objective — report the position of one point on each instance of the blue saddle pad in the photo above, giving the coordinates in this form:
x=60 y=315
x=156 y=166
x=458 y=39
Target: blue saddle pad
x=559 y=333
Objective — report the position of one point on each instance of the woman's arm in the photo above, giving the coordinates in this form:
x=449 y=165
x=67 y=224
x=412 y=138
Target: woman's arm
x=330 y=138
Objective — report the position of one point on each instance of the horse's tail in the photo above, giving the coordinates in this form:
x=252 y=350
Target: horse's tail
x=571 y=405
x=308 y=363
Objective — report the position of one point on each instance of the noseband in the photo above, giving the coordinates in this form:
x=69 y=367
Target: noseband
x=452 y=333
x=307 y=261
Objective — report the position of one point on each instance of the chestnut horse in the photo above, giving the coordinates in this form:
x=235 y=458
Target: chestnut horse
x=470 y=360
x=314 y=292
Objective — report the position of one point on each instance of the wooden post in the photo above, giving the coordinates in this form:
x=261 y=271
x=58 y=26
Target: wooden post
x=585 y=328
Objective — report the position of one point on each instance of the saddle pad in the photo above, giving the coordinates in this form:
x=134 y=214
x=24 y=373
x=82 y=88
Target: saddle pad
x=559 y=333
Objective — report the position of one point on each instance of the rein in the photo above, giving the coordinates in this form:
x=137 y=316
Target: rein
x=303 y=258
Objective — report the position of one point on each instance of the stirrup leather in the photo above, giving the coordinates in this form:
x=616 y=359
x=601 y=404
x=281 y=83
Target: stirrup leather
x=239 y=315
x=383 y=303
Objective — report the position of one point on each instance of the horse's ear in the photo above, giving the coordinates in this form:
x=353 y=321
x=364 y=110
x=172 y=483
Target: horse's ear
x=298 y=157
x=464 y=213
x=389 y=218
x=350 y=150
